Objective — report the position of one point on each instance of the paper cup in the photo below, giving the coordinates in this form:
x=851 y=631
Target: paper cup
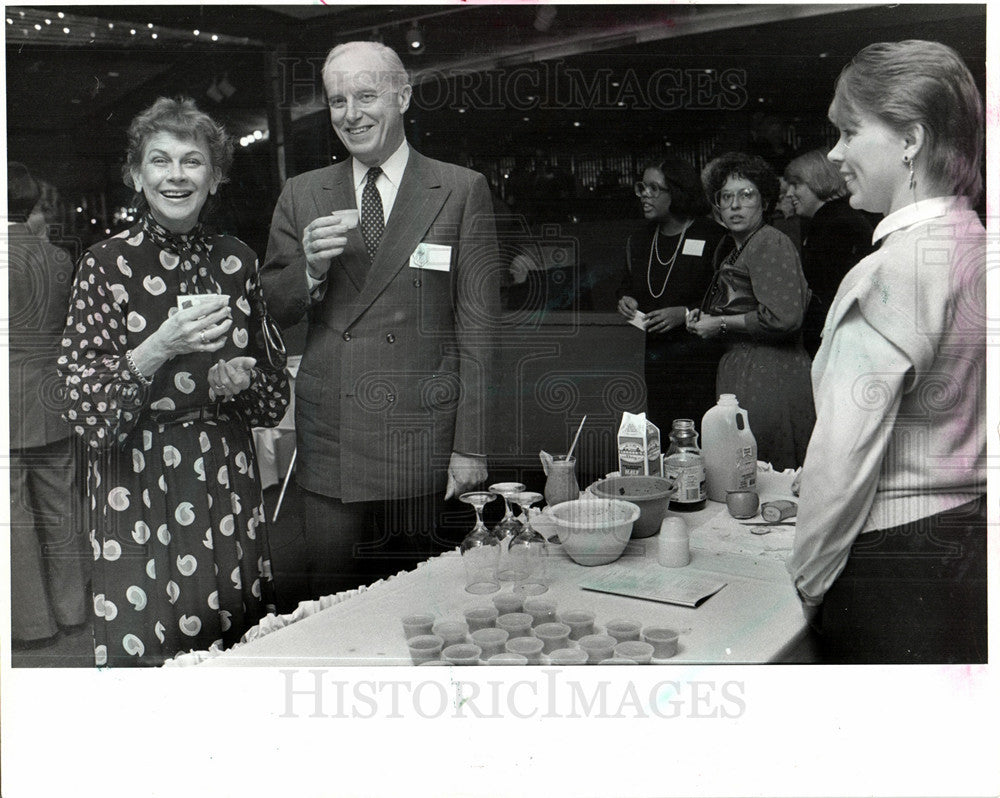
x=663 y=641
x=348 y=218
x=635 y=650
x=462 y=654
x=451 y=632
x=528 y=647
x=622 y=630
x=418 y=624
x=490 y=640
x=424 y=647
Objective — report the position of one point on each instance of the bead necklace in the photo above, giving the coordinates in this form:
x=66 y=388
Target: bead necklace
x=654 y=250
x=732 y=256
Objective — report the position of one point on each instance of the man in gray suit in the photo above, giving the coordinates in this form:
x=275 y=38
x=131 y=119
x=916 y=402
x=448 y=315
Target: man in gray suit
x=392 y=389
x=49 y=555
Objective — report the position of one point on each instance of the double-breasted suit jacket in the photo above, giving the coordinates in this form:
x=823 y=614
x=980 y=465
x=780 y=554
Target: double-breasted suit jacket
x=398 y=360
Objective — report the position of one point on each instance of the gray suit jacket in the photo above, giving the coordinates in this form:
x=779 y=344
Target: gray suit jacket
x=398 y=361
x=40 y=282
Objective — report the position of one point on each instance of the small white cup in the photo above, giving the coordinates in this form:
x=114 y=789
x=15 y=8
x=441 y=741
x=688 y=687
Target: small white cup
x=348 y=218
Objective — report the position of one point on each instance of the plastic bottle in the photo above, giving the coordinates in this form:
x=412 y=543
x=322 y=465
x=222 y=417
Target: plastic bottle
x=684 y=464
x=729 y=449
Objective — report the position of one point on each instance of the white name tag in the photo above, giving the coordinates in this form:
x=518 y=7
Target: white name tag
x=431 y=256
x=639 y=320
x=692 y=246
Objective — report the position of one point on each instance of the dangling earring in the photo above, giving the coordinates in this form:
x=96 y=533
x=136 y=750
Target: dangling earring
x=909 y=163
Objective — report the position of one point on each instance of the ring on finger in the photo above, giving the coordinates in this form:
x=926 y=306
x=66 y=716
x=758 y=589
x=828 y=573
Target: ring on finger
x=201 y=336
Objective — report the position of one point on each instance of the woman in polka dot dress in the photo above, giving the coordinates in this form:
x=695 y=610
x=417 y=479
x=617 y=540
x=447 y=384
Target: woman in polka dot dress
x=765 y=363
x=162 y=383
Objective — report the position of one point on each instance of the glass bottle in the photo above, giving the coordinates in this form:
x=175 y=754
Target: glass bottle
x=685 y=465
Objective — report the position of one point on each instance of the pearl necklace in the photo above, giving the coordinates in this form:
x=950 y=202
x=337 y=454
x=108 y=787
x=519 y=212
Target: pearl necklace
x=655 y=250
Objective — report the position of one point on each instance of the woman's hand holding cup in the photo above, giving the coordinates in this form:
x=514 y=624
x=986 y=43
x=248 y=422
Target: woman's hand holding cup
x=199 y=328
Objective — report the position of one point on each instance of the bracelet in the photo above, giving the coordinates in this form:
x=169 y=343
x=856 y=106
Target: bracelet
x=722 y=326
x=134 y=369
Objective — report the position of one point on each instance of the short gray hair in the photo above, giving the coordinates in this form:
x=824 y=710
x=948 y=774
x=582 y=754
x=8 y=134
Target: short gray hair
x=394 y=69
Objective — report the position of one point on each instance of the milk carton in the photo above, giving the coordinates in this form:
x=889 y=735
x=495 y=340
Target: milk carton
x=639 y=447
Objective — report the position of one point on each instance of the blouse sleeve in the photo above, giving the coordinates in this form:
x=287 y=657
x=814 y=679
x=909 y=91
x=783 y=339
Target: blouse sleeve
x=104 y=396
x=857 y=398
x=779 y=287
x=265 y=401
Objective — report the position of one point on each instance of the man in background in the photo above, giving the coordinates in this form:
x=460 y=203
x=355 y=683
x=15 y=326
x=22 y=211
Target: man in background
x=49 y=557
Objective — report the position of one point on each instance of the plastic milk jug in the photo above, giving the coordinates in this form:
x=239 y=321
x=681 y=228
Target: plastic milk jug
x=729 y=449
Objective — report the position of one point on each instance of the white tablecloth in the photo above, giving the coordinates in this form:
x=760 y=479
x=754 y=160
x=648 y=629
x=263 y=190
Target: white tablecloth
x=753 y=619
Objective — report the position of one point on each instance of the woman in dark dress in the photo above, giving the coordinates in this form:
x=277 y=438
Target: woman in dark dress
x=669 y=267
x=835 y=235
x=764 y=363
x=163 y=385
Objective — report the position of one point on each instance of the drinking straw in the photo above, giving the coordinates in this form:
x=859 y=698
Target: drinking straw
x=576 y=438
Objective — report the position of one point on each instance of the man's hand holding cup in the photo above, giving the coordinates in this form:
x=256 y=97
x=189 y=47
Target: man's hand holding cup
x=325 y=238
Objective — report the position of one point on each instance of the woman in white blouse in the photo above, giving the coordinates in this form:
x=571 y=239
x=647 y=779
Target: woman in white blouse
x=890 y=551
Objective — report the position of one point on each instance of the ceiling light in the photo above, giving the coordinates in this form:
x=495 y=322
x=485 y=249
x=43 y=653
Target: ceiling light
x=415 y=39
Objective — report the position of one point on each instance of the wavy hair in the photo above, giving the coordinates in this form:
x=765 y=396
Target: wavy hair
x=182 y=118
x=749 y=167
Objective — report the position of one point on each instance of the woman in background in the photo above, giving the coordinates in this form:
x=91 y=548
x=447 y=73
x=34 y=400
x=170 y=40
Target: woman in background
x=668 y=269
x=755 y=308
x=835 y=235
x=164 y=387
x=889 y=557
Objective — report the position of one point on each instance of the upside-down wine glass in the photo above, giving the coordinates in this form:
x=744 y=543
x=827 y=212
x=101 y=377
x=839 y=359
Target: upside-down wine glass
x=506 y=529
x=527 y=551
x=480 y=549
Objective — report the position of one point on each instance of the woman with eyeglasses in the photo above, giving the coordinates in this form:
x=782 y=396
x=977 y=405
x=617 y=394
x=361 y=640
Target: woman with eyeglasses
x=835 y=235
x=755 y=308
x=889 y=557
x=668 y=269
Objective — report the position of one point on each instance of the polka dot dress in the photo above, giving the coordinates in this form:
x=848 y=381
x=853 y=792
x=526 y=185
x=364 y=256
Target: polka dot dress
x=770 y=372
x=176 y=520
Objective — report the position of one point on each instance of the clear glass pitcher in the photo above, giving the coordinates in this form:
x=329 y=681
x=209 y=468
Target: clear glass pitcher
x=560 y=482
